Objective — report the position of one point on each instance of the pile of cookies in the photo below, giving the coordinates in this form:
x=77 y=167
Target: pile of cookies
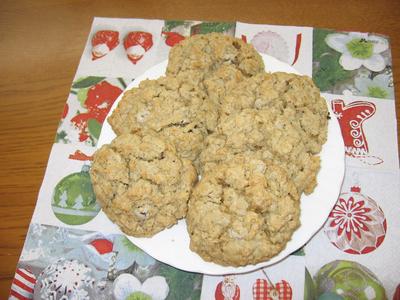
x=216 y=141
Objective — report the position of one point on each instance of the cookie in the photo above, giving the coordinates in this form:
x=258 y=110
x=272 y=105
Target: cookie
x=219 y=61
x=243 y=212
x=207 y=52
x=279 y=115
x=251 y=131
x=141 y=183
x=177 y=108
x=286 y=95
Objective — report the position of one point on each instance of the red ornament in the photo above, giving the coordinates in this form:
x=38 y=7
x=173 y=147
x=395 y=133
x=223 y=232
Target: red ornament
x=136 y=43
x=262 y=290
x=102 y=246
x=23 y=284
x=227 y=290
x=103 y=42
x=356 y=224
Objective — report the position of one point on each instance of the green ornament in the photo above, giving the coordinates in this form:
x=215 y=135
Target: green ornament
x=349 y=280
x=74 y=201
x=330 y=296
x=309 y=286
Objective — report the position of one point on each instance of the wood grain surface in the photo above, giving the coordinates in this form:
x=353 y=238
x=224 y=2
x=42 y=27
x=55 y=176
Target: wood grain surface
x=40 y=46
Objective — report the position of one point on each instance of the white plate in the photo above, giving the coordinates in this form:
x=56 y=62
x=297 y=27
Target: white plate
x=171 y=246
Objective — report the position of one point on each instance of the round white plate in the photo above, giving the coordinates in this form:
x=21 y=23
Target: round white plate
x=171 y=246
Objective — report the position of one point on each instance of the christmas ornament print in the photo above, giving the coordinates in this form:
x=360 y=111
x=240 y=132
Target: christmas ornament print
x=103 y=42
x=136 y=44
x=356 y=225
x=65 y=279
x=351 y=118
x=271 y=43
x=74 y=201
x=264 y=290
x=22 y=285
x=348 y=280
x=330 y=296
x=227 y=289
x=309 y=287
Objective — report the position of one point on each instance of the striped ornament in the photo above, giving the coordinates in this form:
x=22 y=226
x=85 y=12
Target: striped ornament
x=22 y=285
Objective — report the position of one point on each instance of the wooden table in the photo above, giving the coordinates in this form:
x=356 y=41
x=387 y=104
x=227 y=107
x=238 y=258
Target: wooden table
x=40 y=47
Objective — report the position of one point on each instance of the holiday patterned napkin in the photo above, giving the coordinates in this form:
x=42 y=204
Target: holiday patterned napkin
x=70 y=254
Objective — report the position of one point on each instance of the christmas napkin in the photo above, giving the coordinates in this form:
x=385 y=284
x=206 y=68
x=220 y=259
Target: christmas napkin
x=69 y=254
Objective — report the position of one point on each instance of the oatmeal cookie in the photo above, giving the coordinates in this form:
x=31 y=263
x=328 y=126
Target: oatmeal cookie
x=286 y=96
x=219 y=61
x=176 y=108
x=280 y=115
x=207 y=52
x=141 y=183
x=273 y=137
x=243 y=212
